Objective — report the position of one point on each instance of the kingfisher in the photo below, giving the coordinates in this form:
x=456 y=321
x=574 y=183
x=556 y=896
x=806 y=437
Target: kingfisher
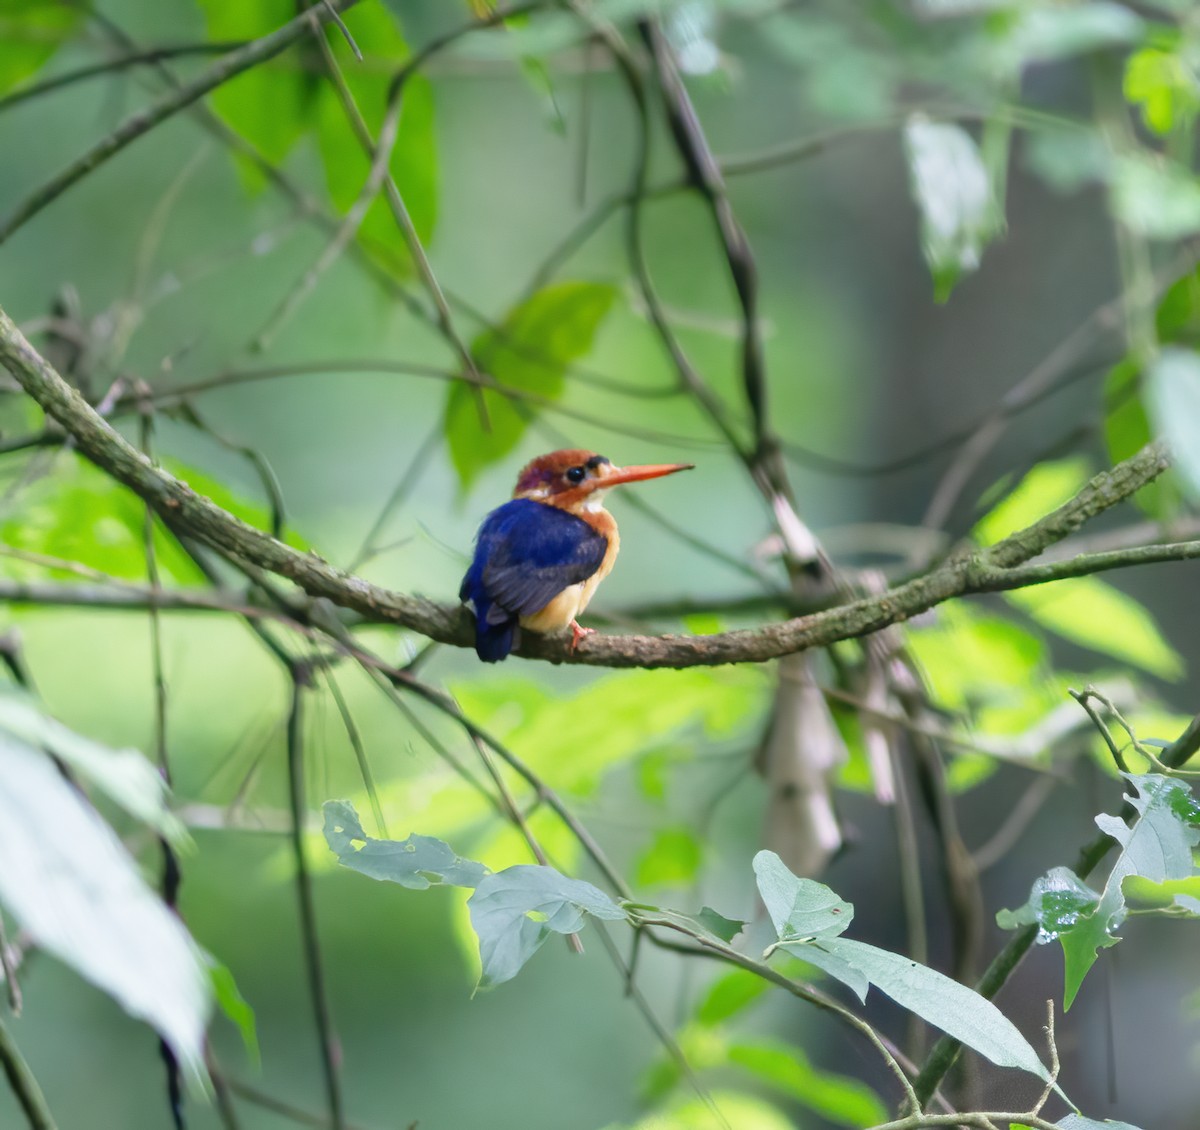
x=540 y=557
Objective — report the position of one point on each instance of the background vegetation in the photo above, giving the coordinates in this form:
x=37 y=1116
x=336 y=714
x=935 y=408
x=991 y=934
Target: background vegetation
x=903 y=274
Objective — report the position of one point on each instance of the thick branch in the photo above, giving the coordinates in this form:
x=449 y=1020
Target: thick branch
x=999 y=568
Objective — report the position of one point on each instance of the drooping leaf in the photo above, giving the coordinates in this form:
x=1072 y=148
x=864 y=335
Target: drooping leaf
x=514 y=911
x=800 y=909
x=837 y=1098
x=529 y=353
x=29 y=34
x=673 y=858
x=1173 y=399
x=231 y=1002
x=67 y=879
x=959 y=212
x=413 y=164
x=125 y=776
x=270 y=106
x=417 y=862
x=1158 y=846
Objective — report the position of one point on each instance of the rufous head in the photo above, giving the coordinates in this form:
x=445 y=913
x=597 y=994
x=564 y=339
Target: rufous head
x=569 y=479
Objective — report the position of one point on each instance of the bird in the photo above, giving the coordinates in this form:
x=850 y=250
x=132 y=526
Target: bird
x=540 y=557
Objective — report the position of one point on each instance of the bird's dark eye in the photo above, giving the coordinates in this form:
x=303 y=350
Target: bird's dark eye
x=576 y=474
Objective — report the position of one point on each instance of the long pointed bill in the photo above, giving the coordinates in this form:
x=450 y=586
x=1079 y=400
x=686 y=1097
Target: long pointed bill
x=619 y=475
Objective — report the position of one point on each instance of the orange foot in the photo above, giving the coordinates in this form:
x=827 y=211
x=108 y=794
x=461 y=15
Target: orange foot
x=578 y=633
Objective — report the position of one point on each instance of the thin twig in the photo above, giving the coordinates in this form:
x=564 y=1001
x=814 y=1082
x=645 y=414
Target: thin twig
x=23 y=1084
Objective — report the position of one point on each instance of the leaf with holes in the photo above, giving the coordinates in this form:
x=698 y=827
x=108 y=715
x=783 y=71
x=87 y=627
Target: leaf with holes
x=1157 y=847
x=418 y=862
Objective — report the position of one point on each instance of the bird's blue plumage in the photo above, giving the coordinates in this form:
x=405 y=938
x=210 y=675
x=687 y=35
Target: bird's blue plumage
x=526 y=553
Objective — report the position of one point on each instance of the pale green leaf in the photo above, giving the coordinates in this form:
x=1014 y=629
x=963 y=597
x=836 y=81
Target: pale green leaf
x=799 y=908
x=68 y=881
x=125 y=776
x=1041 y=33
x=1078 y=1122
x=417 y=862
x=1173 y=399
x=1156 y=198
x=529 y=353
x=514 y=911
x=959 y=212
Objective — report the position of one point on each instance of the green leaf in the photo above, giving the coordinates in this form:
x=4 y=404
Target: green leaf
x=1164 y=86
x=673 y=859
x=800 y=909
x=514 y=911
x=717 y=924
x=739 y=1110
x=959 y=212
x=1041 y=33
x=728 y=995
x=79 y=514
x=1155 y=197
x=1173 y=400
x=235 y=1007
x=529 y=352
x=1158 y=846
x=29 y=34
x=1094 y=614
x=1078 y=1122
x=125 y=776
x=1046 y=487
x=418 y=862
x=271 y=105
x=413 y=164
x=837 y=1098
x=68 y=880
x=1127 y=423
x=1067 y=158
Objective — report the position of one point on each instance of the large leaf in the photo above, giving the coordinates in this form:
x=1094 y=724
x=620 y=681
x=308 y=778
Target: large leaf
x=1173 y=395
x=67 y=880
x=959 y=212
x=514 y=911
x=417 y=862
x=29 y=34
x=269 y=105
x=942 y=1002
x=528 y=352
x=1078 y=1122
x=800 y=909
x=1157 y=846
x=125 y=776
x=413 y=164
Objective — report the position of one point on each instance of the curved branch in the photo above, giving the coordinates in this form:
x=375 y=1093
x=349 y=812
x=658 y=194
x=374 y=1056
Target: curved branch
x=995 y=569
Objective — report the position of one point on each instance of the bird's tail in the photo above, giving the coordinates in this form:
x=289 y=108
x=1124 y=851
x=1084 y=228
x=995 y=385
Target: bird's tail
x=494 y=641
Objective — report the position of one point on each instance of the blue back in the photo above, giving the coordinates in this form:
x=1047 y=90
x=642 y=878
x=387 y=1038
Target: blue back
x=526 y=553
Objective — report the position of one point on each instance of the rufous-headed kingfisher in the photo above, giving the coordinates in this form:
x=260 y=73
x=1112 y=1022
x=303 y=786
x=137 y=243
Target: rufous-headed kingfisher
x=539 y=558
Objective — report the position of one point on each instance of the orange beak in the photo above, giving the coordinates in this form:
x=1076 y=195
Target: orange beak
x=619 y=475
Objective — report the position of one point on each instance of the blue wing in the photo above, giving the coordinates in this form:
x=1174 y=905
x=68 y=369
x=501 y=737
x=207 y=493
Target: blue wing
x=526 y=553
